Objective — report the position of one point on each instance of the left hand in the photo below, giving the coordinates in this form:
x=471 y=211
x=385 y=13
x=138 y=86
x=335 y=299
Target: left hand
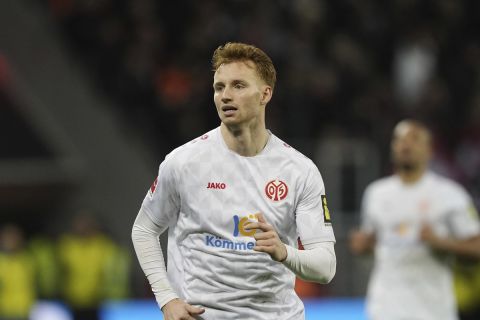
x=268 y=241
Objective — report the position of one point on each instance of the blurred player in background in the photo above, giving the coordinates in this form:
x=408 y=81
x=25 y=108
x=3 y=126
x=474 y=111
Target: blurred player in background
x=415 y=220
x=235 y=201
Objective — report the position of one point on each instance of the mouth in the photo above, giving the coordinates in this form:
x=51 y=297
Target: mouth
x=229 y=110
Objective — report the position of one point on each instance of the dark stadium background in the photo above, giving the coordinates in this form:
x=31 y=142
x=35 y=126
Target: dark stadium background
x=94 y=94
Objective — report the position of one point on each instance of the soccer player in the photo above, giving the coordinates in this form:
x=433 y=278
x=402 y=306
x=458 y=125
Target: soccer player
x=416 y=221
x=235 y=201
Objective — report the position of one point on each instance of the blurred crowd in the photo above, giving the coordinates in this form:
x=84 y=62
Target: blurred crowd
x=349 y=67
x=83 y=267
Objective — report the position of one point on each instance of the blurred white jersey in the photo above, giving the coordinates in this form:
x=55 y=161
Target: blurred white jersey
x=206 y=193
x=410 y=280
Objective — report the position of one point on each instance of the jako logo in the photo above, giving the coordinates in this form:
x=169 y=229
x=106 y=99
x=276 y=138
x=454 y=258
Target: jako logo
x=276 y=190
x=216 y=185
x=240 y=222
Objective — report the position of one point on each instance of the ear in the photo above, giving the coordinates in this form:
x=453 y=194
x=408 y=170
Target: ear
x=266 y=95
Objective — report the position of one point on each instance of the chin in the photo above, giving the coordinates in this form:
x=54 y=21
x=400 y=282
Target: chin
x=230 y=121
x=407 y=166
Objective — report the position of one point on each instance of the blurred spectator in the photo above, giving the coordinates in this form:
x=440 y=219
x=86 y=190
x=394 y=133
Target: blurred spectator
x=117 y=278
x=415 y=62
x=17 y=282
x=421 y=56
x=93 y=269
x=42 y=248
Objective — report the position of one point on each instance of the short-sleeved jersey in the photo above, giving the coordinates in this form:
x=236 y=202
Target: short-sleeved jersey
x=410 y=280
x=206 y=193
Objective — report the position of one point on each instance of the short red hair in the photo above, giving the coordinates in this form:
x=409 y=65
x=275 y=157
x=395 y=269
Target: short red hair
x=235 y=51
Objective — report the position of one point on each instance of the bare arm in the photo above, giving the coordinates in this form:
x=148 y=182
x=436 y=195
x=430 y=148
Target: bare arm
x=469 y=247
x=362 y=242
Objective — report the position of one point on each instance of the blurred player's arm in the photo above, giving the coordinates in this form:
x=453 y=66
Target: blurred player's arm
x=465 y=226
x=469 y=247
x=361 y=241
x=145 y=237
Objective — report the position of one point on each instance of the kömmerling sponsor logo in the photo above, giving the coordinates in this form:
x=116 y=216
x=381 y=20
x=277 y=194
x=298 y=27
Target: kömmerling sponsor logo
x=218 y=242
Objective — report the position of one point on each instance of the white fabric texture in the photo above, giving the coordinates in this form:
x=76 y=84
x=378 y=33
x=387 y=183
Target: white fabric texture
x=204 y=194
x=406 y=269
x=145 y=237
x=317 y=263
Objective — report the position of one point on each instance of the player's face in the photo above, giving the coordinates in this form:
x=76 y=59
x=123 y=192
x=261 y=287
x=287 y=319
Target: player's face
x=411 y=147
x=240 y=95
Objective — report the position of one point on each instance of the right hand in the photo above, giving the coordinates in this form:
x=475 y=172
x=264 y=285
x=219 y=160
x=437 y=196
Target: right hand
x=177 y=309
x=361 y=242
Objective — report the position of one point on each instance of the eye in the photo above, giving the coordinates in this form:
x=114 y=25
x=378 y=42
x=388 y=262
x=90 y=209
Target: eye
x=239 y=86
x=218 y=88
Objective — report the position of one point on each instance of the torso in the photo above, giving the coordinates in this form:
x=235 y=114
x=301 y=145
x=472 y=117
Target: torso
x=210 y=251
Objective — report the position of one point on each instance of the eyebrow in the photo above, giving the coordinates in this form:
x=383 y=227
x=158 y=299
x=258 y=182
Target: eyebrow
x=239 y=81
x=235 y=81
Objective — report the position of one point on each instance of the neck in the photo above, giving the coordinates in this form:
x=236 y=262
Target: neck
x=247 y=141
x=411 y=176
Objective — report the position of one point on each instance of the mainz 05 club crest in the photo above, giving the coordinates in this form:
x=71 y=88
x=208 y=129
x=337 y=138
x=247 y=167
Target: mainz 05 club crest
x=276 y=190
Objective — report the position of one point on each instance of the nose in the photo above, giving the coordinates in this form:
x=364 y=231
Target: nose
x=406 y=146
x=226 y=97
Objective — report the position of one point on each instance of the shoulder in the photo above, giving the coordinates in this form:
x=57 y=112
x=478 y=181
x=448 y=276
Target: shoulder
x=286 y=151
x=448 y=188
x=192 y=150
x=382 y=185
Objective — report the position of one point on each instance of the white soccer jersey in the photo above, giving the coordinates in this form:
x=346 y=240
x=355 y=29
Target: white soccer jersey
x=206 y=193
x=410 y=280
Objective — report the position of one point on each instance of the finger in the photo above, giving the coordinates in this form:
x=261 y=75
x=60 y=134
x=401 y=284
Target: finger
x=258 y=225
x=264 y=235
x=261 y=217
x=263 y=249
x=194 y=310
x=264 y=225
x=250 y=225
x=265 y=243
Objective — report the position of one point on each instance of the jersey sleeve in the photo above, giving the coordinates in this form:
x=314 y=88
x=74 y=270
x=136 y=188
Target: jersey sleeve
x=462 y=216
x=312 y=215
x=162 y=202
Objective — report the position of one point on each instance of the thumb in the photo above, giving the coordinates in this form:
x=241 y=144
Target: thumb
x=194 y=310
x=261 y=218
